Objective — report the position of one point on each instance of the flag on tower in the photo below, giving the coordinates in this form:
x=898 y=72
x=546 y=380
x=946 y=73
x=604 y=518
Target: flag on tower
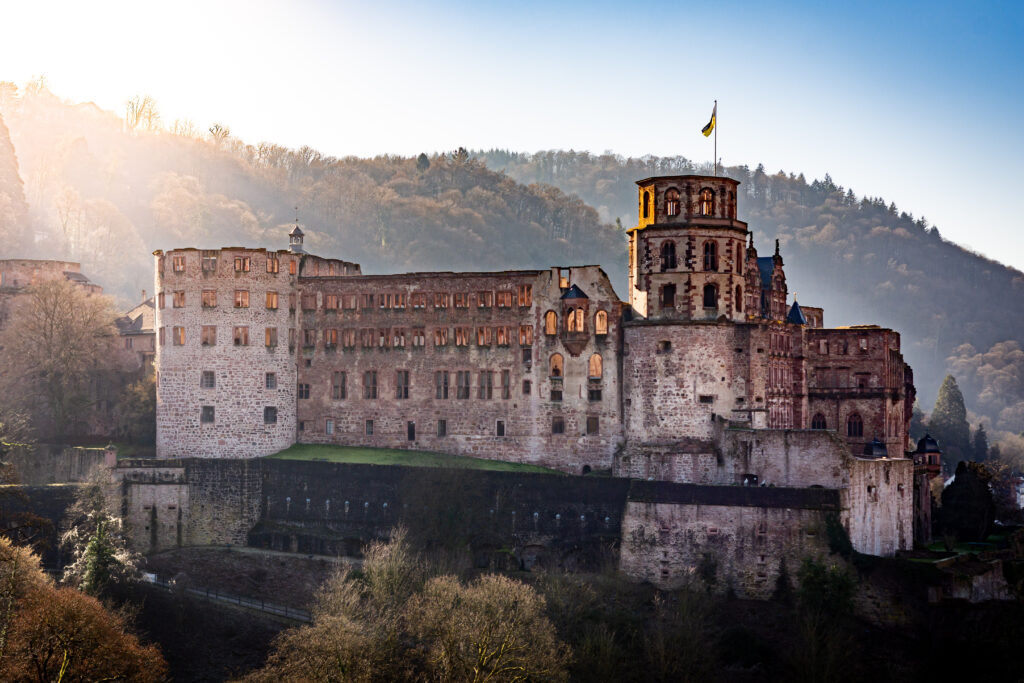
x=711 y=124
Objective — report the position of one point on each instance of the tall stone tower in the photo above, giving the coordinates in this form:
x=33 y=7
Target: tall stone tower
x=687 y=252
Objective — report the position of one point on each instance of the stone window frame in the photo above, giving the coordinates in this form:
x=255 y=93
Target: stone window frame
x=442 y=428
x=240 y=335
x=595 y=367
x=672 y=203
x=463 y=380
x=601 y=323
x=241 y=298
x=272 y=300
x=706 y=202
x=419 y=338
x=178 y=335
x=525 y=295
x=208 y=335
x=441 y=384
x=402 y=384
x=593 y=425
x=331 y=338
x=208 y=379
x=485 y=385
x=669 y=261
x=854 y=426
x=178 y=263
x=339 y=385
x=178 y=299
x=270 y=415
x=302 y=390
x=329 y=426
x=819 y=421
x=526 y=335
x=242 y=264
x=270 y=380
x=557 y=424
x=550 y=324
x=369 y=384
x=209 y=260
x=207 y=415
x=711 y=260
x=273 y=264
x=506 y=384
x=499 y=428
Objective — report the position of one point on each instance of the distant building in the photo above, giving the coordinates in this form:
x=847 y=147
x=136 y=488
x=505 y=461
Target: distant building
x=137 y=331
x=708 y=375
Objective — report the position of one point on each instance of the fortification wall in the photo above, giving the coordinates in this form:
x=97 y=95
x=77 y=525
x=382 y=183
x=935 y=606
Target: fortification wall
x=879 y=506
x=721 y=538
x=43 y=464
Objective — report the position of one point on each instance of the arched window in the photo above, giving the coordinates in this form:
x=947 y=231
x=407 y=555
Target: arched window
x=574 y=320
x=707 y=202
x=556 y=365
x=647 y=204
x=668 y=255
x=739 y=299
x=672 y=202
x=854 y=426
x=595 y=368
x=601 y=323
x=711 y=255
x=710 y=296
x=551 y=323
x=818 y=422
x=668 y=296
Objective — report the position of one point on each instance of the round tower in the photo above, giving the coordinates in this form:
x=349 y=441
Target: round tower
x=687 y=252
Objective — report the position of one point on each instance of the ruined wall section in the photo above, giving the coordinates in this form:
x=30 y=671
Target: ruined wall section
x=228 y=313
x=385 y=361
x=878 y=505
x=722 y=539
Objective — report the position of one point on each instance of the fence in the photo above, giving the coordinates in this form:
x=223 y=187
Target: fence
x=213 y=595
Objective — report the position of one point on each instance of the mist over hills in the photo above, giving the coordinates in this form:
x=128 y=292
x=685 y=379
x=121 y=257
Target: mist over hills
x=107 y=193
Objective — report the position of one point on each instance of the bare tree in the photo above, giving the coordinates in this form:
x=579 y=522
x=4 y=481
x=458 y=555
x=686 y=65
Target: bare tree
x=56 y=338
x=142 y=111
x=219 y=133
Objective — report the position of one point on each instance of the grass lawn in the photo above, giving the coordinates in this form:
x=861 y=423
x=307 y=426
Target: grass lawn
x=391 y=456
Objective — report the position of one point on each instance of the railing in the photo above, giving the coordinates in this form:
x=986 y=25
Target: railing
x=213 y=595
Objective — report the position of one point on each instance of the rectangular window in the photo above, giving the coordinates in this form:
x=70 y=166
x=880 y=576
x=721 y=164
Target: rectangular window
x=303 y=390
x=525 y=295
x=328 y=426
x=339 y=389
x=208 y=335
x=270 y=415
x=462 y=336
x=331 y=338
x=441 y=336
x=486 y=387
x=501 y=336
x=401 y=384
x=291 y=302
x=160 y=300
x=527 y=355
x=484 y=299
x=209 y=298
x=442 y=427
x=309 y=338
x=293 y=267
x=398 y=338
x=385 y=300
x=179 y=264
x=178 y=338
x=241 y=298
x=348 y=302
x=367 y=302
x=272 y=301
x=410 y=431
x=209 y=261
x=499 y=428
x=441 y=384
x=383 y=338
x=526 y=335
x=241 y=336
x=461 y=300
x=483 y=336
x=440 y=300
x=527 y=387
x=273 y=265
x=506 y=384
x=419 y=339
x=208 y=380
x=418 y=300
x=206 y=414
x=369 y=427
x=271 y=380
x=270 y=337
x=370 y=384
x=592 y=425
x=366 y=337
x=330 y=302
x=160 y=334
x=400 y=300
x=241 y=264
x=179 y=300
x=594 y=391
x=348 y=338
x=504 y=299
x=556 y=389
x=462 y=384
x=557 y=425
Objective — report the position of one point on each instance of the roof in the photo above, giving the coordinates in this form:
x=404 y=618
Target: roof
x=796 y=315
x=928 y=445
x=766 y=264
x=77 y=277
x=139 y=320
x=875 y=449
x=296 y=232
x=574 y=292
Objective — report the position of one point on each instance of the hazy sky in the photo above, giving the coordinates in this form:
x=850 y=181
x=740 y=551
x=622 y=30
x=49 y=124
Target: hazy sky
x=919 y=102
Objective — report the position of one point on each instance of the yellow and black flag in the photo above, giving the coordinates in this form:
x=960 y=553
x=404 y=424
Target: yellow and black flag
x=711 y=124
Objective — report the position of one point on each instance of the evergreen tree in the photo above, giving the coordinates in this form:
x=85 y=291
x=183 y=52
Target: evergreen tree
x=422 y=162
x=980 y=444
x=918 y=426
x=100 y=562
x=948 y=423
x=15 y=231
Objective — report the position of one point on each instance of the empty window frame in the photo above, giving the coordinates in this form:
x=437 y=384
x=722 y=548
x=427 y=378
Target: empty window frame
x=710 y=296
x=556 y=365
x=401 y=384
x=668 y=296
x=242 y=264
x=270 y=337
x=672 y=202
x=272 y=301
x=339 y=385
x=273 y=264
x=504 y=299
x=854 y=426
x=330 y=302
x=370 y=384
x=241 y=298
x=499 y=428
x=485 y=389
x=441 y=384
x=506 y=384
x=711 y=256
x=208 y=335
x=442 y=427
x=526 y=335
x=550 y=323
x=441 y=336
x=525 y=295
x=707 y=202
x=179 y=265
x=303 y=390
x=462 y=378
x=595 y=368
x=178 y=336
x=819 y=422
x=178 y=300
x=206 y=414
x=574 y=320
x=557 y=425
x=270 y=415
x=668 y=255
x=209 y=261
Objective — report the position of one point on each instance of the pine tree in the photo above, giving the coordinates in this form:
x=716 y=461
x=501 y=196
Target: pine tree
x=948 y=423
x=980 y=444
x=100 y=562
x=918 y=426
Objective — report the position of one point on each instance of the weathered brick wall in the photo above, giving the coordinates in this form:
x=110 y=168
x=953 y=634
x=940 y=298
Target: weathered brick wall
x=471 y=422
x=240 y=394
x=878 y=505
x=722 y=539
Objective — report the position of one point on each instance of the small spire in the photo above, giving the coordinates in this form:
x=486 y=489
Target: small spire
x=751 y=237
x=776 y=247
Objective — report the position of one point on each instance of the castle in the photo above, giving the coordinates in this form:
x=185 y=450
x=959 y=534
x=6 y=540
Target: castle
x=705 y=376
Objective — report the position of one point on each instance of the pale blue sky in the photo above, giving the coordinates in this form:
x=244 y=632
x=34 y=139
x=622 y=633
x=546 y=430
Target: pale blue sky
x=919 y=102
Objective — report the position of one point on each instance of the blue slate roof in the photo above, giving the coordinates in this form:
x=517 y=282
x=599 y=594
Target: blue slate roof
x=766 y=264
x=574 y=292
x=796 y=315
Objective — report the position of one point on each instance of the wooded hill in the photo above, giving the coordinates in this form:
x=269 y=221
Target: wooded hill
x=107 y=190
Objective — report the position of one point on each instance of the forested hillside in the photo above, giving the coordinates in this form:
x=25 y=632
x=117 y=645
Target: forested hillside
x=107 y=190
x=861 y=258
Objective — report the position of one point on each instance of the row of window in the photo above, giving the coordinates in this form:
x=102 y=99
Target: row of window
x=575 y=321
x=705 y=205
x=669 y=260
x=366 y=337
x=521 y=296
x=840 y=347
x=242 y=264
x=854 y=424
x=709 y=297
x=557 y=427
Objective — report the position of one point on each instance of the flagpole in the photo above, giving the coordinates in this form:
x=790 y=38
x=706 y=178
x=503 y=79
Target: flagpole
x=716 y=136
